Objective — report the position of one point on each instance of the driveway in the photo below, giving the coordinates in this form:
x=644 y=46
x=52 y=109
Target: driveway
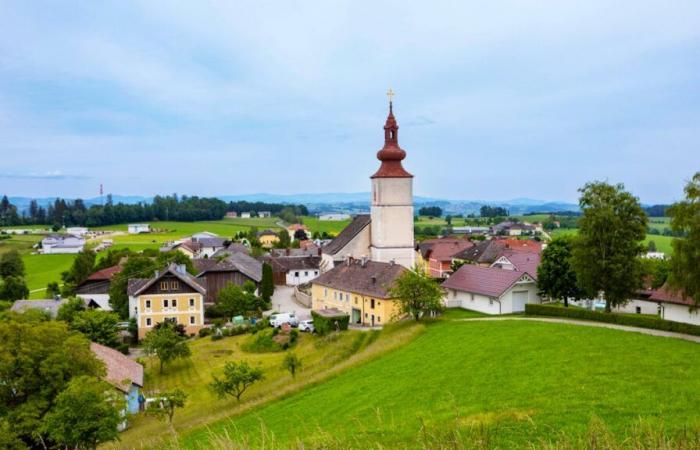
x=283 y=301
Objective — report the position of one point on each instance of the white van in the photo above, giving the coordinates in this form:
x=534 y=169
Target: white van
x=276 y=320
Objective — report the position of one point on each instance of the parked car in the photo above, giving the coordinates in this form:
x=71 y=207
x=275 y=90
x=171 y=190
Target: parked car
x=307 y=325
x=276 y=320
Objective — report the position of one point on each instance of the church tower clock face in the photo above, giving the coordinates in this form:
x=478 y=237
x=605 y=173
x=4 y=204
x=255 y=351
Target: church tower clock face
x=392 y=200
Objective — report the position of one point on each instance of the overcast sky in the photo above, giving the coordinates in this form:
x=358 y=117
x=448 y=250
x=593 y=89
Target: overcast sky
x=495 y=100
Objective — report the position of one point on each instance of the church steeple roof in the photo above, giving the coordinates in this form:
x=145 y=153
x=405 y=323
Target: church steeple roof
x=391 y=154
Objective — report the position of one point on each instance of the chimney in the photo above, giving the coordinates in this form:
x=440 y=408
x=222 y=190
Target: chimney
x=181 y=268
x=320 y=251
x=364 y=261
x=157 y=274
x=392 y=262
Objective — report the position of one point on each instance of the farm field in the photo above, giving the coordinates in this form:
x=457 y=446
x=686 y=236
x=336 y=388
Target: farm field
x=321 y=358
x=663 y=243
x=332 y=227
x=21 y=242
x=42 y=269
x=518 y=382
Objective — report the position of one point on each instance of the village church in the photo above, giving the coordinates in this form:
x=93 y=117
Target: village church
x=386 y=234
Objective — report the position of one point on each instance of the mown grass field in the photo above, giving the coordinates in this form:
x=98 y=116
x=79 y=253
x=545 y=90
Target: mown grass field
x=663 y=243
x=42 y=269
x=321 y=358
x=521 y=381
x=332 y=227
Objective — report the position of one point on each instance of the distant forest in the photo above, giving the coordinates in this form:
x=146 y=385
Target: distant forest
x=183 y=209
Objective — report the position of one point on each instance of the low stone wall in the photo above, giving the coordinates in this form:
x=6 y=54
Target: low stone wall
x=302 y=298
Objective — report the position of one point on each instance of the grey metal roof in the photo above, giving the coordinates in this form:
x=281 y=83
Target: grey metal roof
x=359 y=223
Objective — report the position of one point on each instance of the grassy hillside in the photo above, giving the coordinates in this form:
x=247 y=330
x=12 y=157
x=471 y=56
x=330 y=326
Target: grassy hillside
x=517 y=381
x=321 y=358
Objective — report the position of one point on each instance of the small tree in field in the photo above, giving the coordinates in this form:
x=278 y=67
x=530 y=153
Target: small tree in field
x=167 y=402
x=166 y=344
x=86 y=414
x=237 y=378
x=292 y=363
x=556 y=278
x=416 y=293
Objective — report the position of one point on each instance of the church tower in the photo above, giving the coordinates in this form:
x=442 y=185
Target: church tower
x=392 y=201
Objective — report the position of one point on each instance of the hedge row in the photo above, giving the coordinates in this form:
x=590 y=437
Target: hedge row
x=324 y=325
x=620 y=319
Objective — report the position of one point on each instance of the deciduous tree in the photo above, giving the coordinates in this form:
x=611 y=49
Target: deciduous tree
x=416 y=293
x=166 y=344
x=38 y=358
x=607 y=248
x=98 y=326
x=237 y=378
x=86 y=414
x=11 y=264
x=167 y=402
x=292 y=363
x=684 y=271
x=13 y=288
x=556 y=277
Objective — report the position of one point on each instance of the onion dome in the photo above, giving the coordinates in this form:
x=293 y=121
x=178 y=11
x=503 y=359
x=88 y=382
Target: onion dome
x=391 y=154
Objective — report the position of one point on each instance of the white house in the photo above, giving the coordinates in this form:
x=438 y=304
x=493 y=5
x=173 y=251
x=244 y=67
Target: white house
x=264 y=214
x=490 y=290
x=137 y=228
x=334 y=216
x=77 y=231
x=62 y=243
x=666 y=304
x=245 y=215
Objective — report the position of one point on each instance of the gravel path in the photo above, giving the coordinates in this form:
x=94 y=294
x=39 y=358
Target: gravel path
x=586 y=323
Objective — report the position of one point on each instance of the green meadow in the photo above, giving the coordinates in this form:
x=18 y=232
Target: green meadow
x=518 y=382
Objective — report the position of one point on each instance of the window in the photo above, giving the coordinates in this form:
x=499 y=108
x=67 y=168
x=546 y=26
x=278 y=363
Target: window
x=192 y=320
x=191 y=303
x=356 y=300
x=148 y=304
x=379 y=318
x=472 y=297
x=341 y=296
x=165 y=303
x=371 y=304
x=306 y=273
x=365 y=315
x=296 y=274
x=379 y=304
x=148 y=321
x=315 y=272
x=638 y=309
x=163 y=285
x=335 y=295
x=325 y=292
x=174 y=303
x=174 y=285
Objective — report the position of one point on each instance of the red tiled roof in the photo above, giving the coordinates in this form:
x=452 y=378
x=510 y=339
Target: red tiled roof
x=121 y=371
x=105 y=274
x=666 y=295
x=297 y=226
x=444 y=249
x=488 y=281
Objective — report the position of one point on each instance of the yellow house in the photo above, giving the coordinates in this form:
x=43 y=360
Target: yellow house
x=268 y=238
x=171 y=295
x=359 y=288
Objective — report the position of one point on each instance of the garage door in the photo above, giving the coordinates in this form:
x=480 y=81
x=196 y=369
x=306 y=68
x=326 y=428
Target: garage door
x=519 y=300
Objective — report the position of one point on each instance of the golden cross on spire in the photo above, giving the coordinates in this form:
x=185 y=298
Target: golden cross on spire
x=390 y=94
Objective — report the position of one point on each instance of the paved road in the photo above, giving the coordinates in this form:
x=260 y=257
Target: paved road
x=649 y=331
x=283 y=301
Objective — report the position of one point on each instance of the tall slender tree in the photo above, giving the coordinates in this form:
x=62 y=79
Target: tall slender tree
x=684 y=270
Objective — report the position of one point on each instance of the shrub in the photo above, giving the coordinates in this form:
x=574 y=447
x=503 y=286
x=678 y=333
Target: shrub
x=124 y=348
x=261 y=342
x=324 y=325
x=216 y=337
x=204 y=332
x=620 y=319
x=225 y=332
